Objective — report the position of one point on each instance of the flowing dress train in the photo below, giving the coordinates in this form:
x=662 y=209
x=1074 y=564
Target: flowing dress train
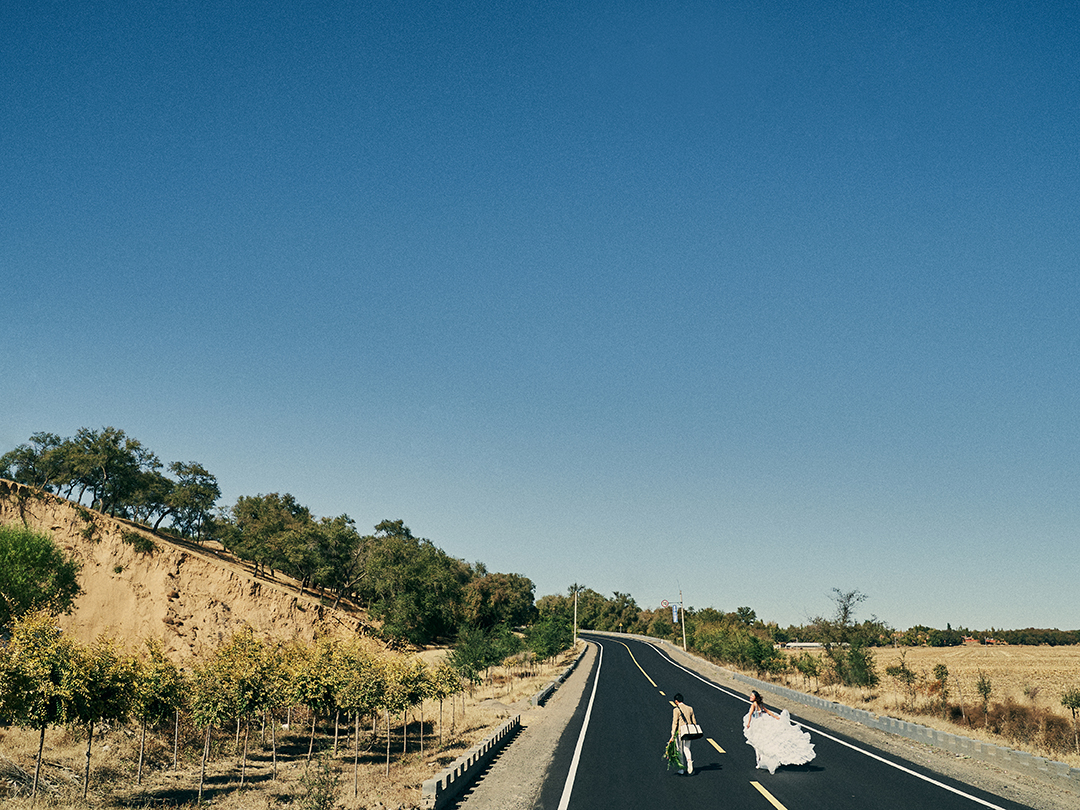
x=777 y=741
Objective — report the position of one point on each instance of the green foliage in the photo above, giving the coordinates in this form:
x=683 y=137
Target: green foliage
x=34 y=575
x=361 y=682
x=445 y=682
x=807 y=665
x=731 y=642
x=40 y=674
x=941 y=675
x=673 y=755
x=414 y=588
x=550 y=635
x=122 y=476
x=905 y=677
x=1070 y=699
x=315 y=674
x=944 y=638
x=320 y=784
x=846 y=643
x=496 y=599
x=138 y=541
x=984 y=688
x=159 y=687
x=190 y=501
x=476 y=650
x=42 y=682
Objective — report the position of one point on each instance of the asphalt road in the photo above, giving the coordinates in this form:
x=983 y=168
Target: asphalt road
x=611 y=754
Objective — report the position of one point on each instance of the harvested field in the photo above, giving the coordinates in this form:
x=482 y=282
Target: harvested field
x=1032 y=678
x=1036 y=675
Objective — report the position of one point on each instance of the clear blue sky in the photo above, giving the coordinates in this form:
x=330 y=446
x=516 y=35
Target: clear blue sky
x=752 y=299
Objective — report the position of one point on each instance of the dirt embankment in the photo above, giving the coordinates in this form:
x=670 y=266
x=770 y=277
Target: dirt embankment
x=191 y=597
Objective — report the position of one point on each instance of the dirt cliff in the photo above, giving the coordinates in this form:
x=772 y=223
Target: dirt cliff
x=189 y=596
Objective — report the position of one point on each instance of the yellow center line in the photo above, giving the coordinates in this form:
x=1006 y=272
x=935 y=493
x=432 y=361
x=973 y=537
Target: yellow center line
x=643 y=672
x=711 y=741
x=769 y=796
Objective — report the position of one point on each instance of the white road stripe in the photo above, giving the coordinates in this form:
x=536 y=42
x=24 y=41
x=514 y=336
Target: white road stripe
x=564 y=802
x=863 y=751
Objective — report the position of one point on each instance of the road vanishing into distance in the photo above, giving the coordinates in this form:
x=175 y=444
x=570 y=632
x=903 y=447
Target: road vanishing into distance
x=612 y=753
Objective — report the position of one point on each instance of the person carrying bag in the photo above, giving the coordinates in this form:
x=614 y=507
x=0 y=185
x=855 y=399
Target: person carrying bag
x=684 y=726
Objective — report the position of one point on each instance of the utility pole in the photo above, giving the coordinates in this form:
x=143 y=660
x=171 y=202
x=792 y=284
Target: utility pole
x=683 y=609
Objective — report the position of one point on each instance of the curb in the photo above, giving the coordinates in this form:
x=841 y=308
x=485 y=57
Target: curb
x=452 y=781
x=440 y=790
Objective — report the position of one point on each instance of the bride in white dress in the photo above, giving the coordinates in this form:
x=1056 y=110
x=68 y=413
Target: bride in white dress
x=775 y=739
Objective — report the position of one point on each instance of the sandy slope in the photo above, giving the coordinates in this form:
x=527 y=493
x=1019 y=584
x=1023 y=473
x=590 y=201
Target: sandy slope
x=188 y=596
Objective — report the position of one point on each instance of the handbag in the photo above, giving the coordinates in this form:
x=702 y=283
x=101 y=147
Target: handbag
x=689 y=731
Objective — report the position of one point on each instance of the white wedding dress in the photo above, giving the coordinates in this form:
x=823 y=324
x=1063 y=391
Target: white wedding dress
x=777 y=741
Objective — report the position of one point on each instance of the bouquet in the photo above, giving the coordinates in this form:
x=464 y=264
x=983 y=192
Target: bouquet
x=673 y=755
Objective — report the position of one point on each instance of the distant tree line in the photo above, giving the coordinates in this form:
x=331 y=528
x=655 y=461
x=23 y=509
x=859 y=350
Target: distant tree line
x=414 y=588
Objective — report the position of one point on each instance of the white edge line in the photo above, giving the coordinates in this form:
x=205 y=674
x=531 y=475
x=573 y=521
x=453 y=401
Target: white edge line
x=564 y=802
x=870 y=754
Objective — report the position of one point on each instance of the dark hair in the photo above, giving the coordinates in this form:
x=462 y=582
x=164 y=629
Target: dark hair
x=678 y=697
x=757 y=696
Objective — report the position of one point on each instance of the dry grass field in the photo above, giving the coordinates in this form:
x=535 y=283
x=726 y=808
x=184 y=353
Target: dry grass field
x=1037 y=675
x=1034 y=677
x=115 y=757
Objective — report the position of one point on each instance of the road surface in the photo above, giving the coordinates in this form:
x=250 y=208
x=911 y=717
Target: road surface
x=611 y=754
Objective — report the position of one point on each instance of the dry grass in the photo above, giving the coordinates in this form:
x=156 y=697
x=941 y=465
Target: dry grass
x=115 y=758
x=1029 y=677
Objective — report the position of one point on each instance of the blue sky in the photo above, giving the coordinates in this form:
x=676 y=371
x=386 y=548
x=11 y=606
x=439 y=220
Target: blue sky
x=748 y=299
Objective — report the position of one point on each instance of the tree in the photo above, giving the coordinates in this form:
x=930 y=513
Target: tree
x=470 y=655
x=242 y=666
x=808 y=665
x=410 y=585
x=845 y=644
x=496 y=599
x=263 y=527
x=984 y=688
x=1071 y=701
x=109 y=464
x=445 y=683
x=404 y=677
x=315 y=679
x=105 y=689
x=40 y=677
x=941 y=675
x=191 y=499
x=36 y=463
x=905 y=677
x=34 y=575
x=158 y=692
x=746 y=616
x=210 y=705
x=550 y=635
x=359 y=689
